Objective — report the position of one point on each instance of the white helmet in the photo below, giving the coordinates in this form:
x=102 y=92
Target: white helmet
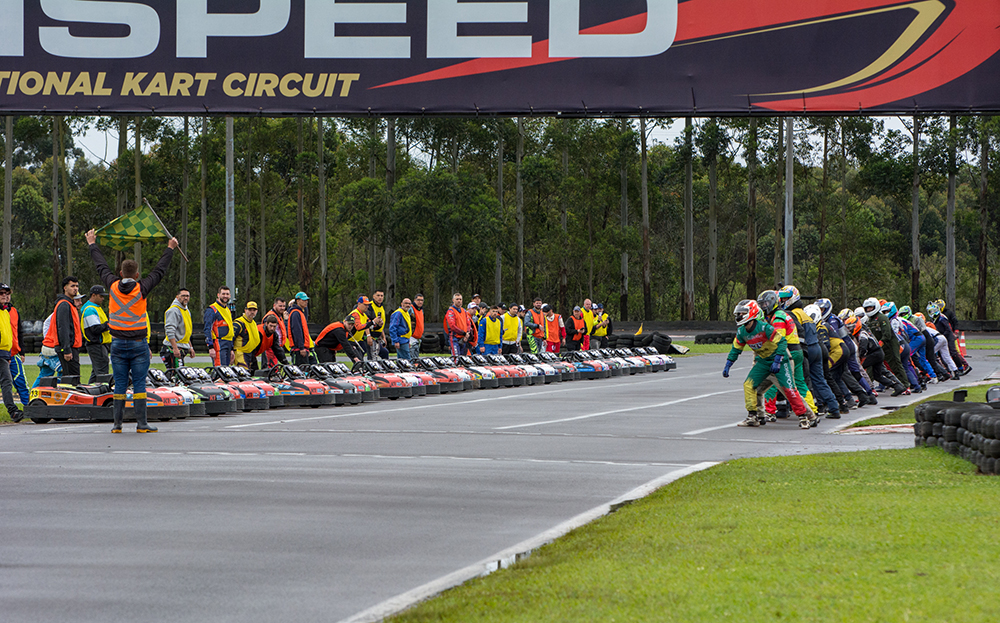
x=870 y=307
x=860 y=313
x=814 y=312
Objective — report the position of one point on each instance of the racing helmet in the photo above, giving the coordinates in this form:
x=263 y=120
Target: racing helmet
x=921 y=316
x=853 y=324
x=825 y=306
x=889 y=309
x=788 y=295
x=746 y=311
x=846 y=313
x=905 y=311
x=933 y=310
x=870 y=307
x=814 y=312
x=768 y=302
x=941 y=304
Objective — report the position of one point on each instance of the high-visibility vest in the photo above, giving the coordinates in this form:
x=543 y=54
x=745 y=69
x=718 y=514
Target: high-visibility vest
x=52 y=336
x=418 y=325
x=6 y=331
x=305 y=330
x=511 y=327
x=581 y=327
x=552 y=331
x=227 y=317
x=106 y=336
x=493 y=329
x=598 y=319
x=327 y=329
x=188 y=325
x=379 y=313
x=127 y=312
x=266 y=341
x=538 y=318
x=252 y=340
x=360 y=324
x=409 y=323
x=589 y=318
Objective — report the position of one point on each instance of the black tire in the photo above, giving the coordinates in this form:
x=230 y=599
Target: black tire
x=918 y=441
x=938 y=429
x=925 y=429
x=992 y=448
x=951 y=447
x=932 y=442
x=950 y=433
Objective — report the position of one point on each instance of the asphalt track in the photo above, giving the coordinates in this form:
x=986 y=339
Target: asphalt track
x=321 y=514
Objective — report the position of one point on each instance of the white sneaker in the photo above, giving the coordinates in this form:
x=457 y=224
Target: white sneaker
x=750 y=421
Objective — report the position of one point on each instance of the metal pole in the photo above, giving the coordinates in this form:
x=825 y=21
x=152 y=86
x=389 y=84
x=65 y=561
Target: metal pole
x=8 y=190
x=789 y=197
x=230 y=208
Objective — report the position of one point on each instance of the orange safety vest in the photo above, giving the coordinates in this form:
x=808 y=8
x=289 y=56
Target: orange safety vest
x=266 y=341
x=52 y=337
x=327 y=329
x=552 y=332
x=127 y=312
x=418 y=326
x=289 y=344
x=539 y=319
x=581 y=327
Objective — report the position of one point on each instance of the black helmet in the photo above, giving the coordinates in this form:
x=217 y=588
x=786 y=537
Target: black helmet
x=768 y=301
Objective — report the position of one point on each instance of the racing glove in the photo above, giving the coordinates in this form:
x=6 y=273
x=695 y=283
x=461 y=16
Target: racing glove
x=776 y=364
x=725 y=371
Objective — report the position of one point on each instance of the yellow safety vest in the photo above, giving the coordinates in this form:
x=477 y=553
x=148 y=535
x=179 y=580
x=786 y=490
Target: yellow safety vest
x=511 y=327
x=360 y=324
x=380 y=313
x=589 y=319
x=227 y=316
x=493 y=329
x=106 y=337
x=6 y=331
x=188 y=325
x=253 y=333
x=598 y=319
x=409 y=323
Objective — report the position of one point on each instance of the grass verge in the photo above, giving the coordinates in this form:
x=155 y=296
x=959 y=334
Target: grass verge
x=899 y=535
x=701 y=349
x=905 y=415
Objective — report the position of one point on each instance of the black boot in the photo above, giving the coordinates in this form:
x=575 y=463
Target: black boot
x=119 y=411
x=141 y=425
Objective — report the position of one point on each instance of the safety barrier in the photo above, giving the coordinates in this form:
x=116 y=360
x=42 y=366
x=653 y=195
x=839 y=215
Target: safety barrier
x=966 y=429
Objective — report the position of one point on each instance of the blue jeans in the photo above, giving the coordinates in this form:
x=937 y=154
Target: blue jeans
x=20 y=381
x=821 y=390
x=403 y=350
x=130 y=356
x=491 y=349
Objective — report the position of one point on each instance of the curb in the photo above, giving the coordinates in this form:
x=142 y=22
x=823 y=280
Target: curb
x=511 y=555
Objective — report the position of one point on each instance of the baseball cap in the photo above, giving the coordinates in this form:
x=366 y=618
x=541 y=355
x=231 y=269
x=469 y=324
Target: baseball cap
x=472 y=306
x=302 y=296
x=4 y=286
x=364 y=299
x=93 y=290
x=598 y=306
x=577 y=308
x=476 y=296
x=251 y=305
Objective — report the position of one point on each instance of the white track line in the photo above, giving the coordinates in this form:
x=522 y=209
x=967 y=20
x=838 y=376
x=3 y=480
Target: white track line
x=507 y=557
x=708 y=430
x=625 y=410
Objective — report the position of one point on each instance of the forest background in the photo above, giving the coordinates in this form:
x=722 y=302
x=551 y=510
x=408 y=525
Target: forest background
x=564 y=209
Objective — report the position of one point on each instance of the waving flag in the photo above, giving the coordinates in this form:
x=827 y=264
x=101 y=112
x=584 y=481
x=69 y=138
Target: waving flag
x=139 y=225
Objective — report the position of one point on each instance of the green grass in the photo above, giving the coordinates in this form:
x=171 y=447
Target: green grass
x=701 y=349
x=905 y=415
x=904 y=535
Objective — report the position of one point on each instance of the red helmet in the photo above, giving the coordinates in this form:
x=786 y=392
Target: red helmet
x=746 y=311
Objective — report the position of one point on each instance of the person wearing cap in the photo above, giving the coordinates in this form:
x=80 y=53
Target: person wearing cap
x=269 y=347
x=576 y=330
x=128 y=322
x=459 y=327
x=18 y=377
x=96 y=334
x=219 y=328
x=418 y=325
x=177 y=330
x=401 y=329
x=377 y=325
x=360 y=334
x=298 y=341
x=246 y=337
x=555 y=330
x=7 y=346
x=512 y=330
x=336 y=336
x=64 y=337
x=534 y=321
x=602 y=326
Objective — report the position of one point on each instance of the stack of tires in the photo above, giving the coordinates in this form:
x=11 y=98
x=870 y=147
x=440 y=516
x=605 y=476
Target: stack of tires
x=715 y=338
x=661 y=342
x=430 y=344
x=966 y=429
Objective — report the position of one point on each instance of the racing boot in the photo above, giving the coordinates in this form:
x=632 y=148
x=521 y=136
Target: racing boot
x=752 y=420
x=119 y=411
x=141 y=425
x=806 y=421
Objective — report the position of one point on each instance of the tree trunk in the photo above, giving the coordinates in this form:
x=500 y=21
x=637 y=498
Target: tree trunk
x=789 y=199
x=647 y=293
x=984 y=224
x=391 y=299
x=713 y=233
x=63 y=127
x=519 y=215
x=300 y=218
x=688 y=306
x=950 y=219
x=915 y=218
x=822 y=211
x=623 y=205
x=779 y=211
x=498 y=276
x=8 y=191
x=203 y=237
x=137 y=159
x=185 y=183
x=752 y=211
x=56 y=268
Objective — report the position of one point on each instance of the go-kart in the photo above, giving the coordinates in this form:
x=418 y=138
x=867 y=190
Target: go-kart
x=419 y=382
x=215 y=398
x=70 y=400
x=536 y=376
x=158 y=378
x=509 y=375
x=255 y=395
x=428 y=380
x=665 y=362
x=450 y=378
x=550 y=371
x=298 y=389
x=349 y=394
x=568 y=370
x=274 y=397
x=390 y=385
x=364 y=384
x=487 y=377
x=587 y=365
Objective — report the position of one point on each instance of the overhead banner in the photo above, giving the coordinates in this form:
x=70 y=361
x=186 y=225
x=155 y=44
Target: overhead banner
x=448 y=57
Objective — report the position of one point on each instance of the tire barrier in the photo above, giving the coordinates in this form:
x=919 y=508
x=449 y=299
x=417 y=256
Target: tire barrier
x=968 y=430
x=715 y=338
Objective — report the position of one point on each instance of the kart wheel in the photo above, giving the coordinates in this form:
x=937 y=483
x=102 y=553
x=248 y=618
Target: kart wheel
x=39 y=403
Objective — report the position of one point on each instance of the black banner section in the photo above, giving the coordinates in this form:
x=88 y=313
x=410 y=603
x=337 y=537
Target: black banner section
x=574 y=57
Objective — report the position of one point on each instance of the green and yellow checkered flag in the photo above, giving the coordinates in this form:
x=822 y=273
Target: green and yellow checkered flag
x=139 y=225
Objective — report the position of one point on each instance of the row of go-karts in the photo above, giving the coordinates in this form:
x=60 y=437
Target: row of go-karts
x=190 y=391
